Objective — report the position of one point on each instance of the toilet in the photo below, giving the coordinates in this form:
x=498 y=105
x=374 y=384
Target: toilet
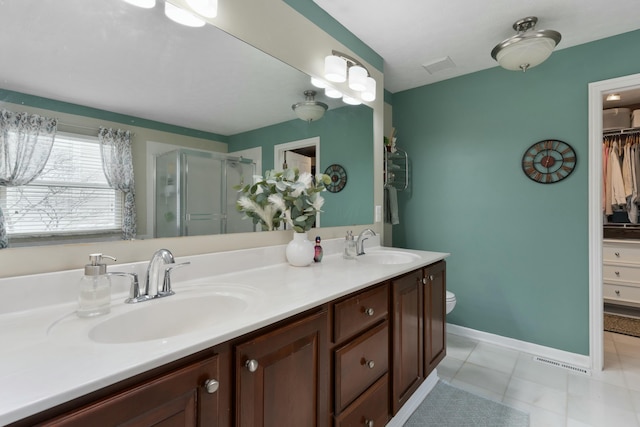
x=451 y=301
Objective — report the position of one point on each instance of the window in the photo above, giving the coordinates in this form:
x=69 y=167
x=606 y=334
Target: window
x=70 y=197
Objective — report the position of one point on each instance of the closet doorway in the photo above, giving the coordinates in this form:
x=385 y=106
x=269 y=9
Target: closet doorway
x=597 y=91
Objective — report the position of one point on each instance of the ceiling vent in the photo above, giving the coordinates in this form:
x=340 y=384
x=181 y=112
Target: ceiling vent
x=438 y=65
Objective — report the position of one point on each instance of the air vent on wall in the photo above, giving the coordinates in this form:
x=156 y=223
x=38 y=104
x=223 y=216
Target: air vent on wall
x=562 y=365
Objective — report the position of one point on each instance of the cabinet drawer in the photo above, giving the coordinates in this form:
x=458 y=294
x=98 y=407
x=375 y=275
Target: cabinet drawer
x=626 y=253
x=621 y=273
x=621 y=293
x=359 y=364
x=359 y=312
x=373 y=405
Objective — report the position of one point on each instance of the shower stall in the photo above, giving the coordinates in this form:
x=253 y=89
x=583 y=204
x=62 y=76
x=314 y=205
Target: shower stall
x=194 y=193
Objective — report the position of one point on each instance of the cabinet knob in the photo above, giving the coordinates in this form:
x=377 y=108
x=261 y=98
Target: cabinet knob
x=617 y=292
x=252 y=365
x=617 y=273
x=618 y=254
x=211 y=386
x=424 y=280
x=369 y=311
x=368 y=423
x=431 y=277
x=369 y=364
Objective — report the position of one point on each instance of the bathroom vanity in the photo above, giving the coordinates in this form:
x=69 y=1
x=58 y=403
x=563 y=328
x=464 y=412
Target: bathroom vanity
x=342 y=342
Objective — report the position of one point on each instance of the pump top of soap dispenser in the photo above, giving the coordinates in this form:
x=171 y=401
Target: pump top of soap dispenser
x=97 y=267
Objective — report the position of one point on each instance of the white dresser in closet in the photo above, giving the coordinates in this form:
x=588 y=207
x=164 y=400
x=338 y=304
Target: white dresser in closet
x=621 y=271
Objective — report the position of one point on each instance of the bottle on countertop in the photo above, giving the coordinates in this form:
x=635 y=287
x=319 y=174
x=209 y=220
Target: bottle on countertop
x=94 y=298
x=349 y=246
x=317 y=257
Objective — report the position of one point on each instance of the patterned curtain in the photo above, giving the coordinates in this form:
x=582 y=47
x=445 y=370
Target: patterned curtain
x=117 y=163
x=25 y=145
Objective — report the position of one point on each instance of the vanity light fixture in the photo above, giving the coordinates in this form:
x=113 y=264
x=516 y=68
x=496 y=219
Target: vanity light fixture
x=310 y=110
x=351 y=100
x=319 y=83
x=613 y=97
x=181 y=16
x=146 y=4
x=526 y=49
x=332 y=93
x=339 y=66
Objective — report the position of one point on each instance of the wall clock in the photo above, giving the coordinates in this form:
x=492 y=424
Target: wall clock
x=549 y=161
x=338 y=178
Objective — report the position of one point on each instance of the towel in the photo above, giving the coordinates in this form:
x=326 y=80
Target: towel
x=392 y=205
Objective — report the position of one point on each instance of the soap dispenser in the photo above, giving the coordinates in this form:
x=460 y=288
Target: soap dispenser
x=349 y=246
x=95 y=288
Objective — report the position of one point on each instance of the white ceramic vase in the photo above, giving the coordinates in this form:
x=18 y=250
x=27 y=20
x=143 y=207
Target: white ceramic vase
x=300 y=250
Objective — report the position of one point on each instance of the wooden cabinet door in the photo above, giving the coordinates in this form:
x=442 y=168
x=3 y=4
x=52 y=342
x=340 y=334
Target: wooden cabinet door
x=435 y=301
x=408 y=358
x=175 y=399
x=282 y=376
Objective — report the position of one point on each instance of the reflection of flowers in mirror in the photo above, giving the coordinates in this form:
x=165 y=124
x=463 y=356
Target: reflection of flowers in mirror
x=288 y=196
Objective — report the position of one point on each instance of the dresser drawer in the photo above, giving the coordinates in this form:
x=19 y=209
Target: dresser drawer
x=621 y=252
x=621 y=273
x=357 y=313
x=621 y=293
x=373 y=405
x=359 y=364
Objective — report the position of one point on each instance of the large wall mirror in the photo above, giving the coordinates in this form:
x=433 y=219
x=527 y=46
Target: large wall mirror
x=111 y=64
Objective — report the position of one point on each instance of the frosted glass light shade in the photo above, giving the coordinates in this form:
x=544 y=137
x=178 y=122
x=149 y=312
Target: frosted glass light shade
x=526 y=53
x=332 y=93
x=147 y=4
x=335 y=69
x=357 y=78
x=181 y=16
x=351 y=100
x=369 y=92
x=318 y=83
x=206 y=8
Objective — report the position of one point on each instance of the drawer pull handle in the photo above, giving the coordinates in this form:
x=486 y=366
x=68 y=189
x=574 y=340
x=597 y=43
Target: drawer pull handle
x=369 y=364
x=369 y=311
x=211 y=386
x=368 y=423
x=431 y=277
x=617 y=292
x=618 y=254
x=617 y=273
x=252 y=365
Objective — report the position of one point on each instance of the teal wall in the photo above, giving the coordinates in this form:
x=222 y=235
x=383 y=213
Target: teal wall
x=519 y=264
x=346 y=136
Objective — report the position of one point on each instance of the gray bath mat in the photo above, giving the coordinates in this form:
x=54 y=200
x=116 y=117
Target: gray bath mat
x=447 y=406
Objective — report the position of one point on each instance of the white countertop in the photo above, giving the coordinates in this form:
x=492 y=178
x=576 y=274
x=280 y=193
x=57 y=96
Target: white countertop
x=47 y=358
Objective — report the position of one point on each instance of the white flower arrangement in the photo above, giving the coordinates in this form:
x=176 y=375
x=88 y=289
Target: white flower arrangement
x=288 y=196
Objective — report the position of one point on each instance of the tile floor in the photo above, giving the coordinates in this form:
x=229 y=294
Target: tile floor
x=552 y=396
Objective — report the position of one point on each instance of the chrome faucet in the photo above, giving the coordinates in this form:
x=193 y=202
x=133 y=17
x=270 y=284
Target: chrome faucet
x=361 y=238
x=158 y=281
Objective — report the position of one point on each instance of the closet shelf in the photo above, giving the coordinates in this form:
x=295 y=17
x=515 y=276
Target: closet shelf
x=396 y=169
x=625 y=131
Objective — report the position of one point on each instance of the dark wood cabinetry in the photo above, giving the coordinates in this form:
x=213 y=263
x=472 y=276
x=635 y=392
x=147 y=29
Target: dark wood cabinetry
x=189 y=396
x=351 y=362
x=282 y=376
x=419 y=300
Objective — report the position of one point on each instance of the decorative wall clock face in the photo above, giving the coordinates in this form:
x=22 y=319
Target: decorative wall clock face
x=549 y=161
x=338 y=178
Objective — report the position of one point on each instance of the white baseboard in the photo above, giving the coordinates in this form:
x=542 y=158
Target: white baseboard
x=526 y=347
x=414 y=401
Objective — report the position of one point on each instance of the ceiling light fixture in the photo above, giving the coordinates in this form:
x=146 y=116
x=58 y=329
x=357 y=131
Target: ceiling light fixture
x=339 y=66
x=613 y=97
x=181 y=16
x=526 y=49
x=147 y=4
x=310 y=110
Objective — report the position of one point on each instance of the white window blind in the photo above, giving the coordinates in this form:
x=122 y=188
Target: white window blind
x=71 y=196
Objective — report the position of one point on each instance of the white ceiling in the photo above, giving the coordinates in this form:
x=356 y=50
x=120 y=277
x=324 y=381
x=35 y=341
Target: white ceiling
x=410 y=33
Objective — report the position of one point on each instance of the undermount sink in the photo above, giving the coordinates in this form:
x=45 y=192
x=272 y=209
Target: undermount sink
x=190 y=310
x=387 y=257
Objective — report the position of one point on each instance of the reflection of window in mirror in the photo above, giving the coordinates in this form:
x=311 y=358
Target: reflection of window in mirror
x=69 y=199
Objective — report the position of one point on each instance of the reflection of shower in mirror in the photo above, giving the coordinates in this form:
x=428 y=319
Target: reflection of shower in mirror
x=194 y=193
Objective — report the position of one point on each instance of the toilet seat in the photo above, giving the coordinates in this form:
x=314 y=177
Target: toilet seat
x=450 y=296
